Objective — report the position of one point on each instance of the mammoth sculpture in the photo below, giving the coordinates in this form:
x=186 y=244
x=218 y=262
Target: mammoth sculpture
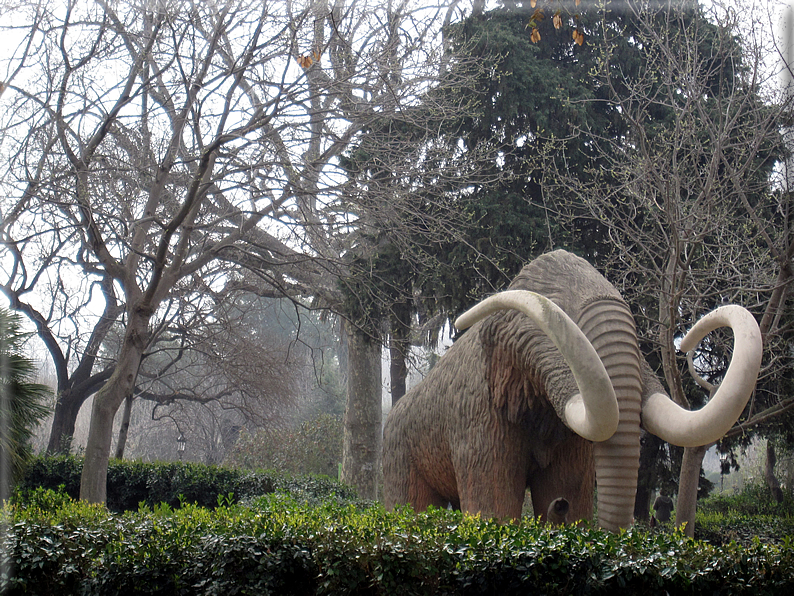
x=548 y=391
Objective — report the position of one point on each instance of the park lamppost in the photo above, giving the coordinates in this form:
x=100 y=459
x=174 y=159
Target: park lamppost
x=723 y=464
x=181 y=443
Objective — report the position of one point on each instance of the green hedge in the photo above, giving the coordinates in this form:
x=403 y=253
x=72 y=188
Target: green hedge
x=130 y=483
x=754 y=499
x=277 y=545
x=733 y=526
x=741 y=517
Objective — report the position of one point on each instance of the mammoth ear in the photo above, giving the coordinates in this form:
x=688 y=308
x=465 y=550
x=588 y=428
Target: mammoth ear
x=509 y=385
x=592 y=413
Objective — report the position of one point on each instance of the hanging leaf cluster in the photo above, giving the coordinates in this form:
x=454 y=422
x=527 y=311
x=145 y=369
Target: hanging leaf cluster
x=306 y=61
x=557 y=20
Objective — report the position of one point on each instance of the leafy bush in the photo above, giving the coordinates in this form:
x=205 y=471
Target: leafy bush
x=53 y=472
x=723 y=528
x=131 y=483
x=307 y=543
x=314 y=447
x=283 y=546
x=41 y=499
x=315 y=489
x=754 y=499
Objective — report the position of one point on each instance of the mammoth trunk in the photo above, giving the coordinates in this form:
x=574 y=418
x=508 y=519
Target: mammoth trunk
x=609 y=326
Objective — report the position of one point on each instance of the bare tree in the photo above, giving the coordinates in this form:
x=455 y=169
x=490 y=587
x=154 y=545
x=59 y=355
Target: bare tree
x=686 y=200
x=154 y=149
x=258 y=365
x=243 y=361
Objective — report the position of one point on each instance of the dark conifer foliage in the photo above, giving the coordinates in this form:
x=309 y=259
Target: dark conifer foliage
x=22 y=400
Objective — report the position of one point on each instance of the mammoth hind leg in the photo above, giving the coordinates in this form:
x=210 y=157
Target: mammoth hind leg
x=411 y=488
x=570 y=475
x=421 y=494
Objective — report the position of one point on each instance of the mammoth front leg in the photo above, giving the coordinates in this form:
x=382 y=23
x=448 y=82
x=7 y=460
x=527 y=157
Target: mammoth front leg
x=570 y=475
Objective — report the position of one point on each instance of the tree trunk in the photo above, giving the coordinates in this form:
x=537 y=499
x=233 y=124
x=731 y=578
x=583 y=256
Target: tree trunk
x=688 y=487
x=79 y=388
x=642 y=503
x=399 y=345
x=398 y=371
x=75 y=388
x=769 y=472
x=651 y=452
x=63 y=423
x=363 y=436
x=93 y=482
x=121 y=444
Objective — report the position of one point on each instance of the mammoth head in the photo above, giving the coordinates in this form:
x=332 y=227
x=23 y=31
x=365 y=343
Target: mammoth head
x=593 y=412
x=616 y=392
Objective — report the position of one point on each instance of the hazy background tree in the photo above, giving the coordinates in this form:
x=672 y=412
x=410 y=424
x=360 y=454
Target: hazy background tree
x=257 y=364
x=312 y=447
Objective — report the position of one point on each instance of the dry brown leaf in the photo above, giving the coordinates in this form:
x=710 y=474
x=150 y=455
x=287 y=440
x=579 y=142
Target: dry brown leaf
x=557 y=20
x=535 y=37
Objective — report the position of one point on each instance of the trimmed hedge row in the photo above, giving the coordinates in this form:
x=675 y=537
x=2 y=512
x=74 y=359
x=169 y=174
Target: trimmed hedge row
x=754 y=500
x=130 y=483
x=733 y=526
x=278 y=545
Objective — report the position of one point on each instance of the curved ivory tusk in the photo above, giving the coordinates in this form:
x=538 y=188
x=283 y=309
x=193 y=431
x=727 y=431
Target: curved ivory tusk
x=593 y=412
x=686 y=428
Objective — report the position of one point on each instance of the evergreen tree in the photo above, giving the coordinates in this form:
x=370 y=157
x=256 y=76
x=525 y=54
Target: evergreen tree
x=536 y=96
